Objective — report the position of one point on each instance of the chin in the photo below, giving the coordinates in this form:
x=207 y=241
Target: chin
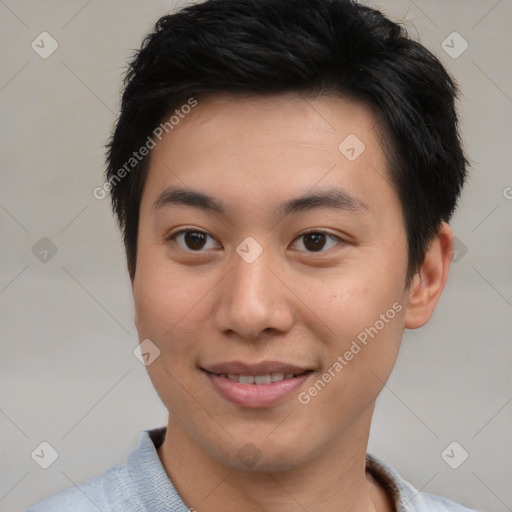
x=262 y=456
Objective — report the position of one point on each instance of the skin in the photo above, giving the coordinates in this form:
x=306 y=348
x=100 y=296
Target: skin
x=291 y=304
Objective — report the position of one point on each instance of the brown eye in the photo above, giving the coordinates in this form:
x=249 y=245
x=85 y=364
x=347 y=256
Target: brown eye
x=316 y=241
x=192 y=240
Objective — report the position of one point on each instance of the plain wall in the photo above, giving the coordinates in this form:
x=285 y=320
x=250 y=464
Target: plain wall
x=68 y=375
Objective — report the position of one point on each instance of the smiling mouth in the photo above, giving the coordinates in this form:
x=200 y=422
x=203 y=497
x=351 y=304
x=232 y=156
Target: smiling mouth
x=259 y=380
x=261 y=385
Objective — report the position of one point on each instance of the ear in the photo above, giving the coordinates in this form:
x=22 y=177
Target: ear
x=429 y=282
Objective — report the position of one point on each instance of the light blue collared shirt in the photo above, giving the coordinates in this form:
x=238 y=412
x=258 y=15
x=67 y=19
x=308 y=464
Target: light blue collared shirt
x=142 y=485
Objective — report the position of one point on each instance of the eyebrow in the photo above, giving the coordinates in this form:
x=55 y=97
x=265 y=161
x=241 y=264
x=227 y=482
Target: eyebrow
x=334 y=198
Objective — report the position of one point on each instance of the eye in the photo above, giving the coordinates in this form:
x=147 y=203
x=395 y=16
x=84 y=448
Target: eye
x=197 y=241
x=316 y=241
x=192 y=239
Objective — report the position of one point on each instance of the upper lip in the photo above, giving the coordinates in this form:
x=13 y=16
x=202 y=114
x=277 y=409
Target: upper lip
x=262 y=368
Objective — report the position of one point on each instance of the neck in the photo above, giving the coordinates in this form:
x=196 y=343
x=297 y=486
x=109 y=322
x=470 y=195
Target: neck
x=333 y=481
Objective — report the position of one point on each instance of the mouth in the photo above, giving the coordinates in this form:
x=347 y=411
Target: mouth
x=261 y=385
x=259 y=380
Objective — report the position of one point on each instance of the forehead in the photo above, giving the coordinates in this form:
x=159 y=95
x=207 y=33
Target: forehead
x=259 y=147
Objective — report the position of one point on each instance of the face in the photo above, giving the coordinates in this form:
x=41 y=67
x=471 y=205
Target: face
x=271 y=269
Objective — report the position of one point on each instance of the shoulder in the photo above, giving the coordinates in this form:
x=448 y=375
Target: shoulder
x=106 y=492
x=432 y=503
x=404 y=495
x=140 y=484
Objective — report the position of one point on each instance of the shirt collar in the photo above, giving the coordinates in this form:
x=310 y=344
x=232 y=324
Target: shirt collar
x=149 y=477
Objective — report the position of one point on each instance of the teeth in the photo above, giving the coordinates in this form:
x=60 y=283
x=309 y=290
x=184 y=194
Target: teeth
x=258 y=379
x=262 y=379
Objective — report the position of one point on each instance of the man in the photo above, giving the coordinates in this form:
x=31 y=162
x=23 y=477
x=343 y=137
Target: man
x=283 y=173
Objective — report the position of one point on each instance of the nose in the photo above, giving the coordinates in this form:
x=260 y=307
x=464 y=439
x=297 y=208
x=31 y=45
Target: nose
x=253 y=300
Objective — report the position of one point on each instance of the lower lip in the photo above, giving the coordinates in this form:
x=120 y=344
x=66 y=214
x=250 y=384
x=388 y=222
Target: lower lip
x=256 y=395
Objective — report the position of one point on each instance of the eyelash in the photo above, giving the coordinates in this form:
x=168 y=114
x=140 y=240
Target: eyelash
x=308 y=232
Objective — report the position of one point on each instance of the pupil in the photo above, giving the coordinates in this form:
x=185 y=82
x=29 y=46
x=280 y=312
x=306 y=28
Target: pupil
x=317 y=239
x=195 y=240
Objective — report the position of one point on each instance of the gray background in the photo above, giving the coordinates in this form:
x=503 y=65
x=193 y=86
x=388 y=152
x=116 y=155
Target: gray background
x=68 y=375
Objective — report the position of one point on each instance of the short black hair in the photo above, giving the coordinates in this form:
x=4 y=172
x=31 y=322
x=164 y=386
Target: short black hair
x=313 y=48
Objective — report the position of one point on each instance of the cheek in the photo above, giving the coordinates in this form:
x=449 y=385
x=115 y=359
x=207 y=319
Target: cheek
x=164 y=300
x=360 y=358
x=365 y=318
x=170 y=313
x=347 y=304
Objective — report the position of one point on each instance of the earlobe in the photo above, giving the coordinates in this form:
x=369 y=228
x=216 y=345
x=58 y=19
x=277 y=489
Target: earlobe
x=430 y=280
